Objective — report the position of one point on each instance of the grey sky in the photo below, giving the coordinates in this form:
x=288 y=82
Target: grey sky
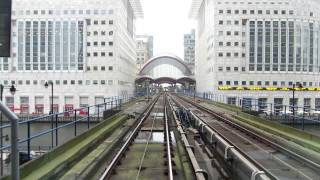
x=167 y=21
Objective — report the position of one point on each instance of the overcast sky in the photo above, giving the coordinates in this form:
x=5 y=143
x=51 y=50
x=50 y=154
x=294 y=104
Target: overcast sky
x=167 y=21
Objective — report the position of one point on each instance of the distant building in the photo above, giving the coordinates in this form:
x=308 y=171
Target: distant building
x=189 y=49
x=85 y=48
x=144 y=49
x=258 y=50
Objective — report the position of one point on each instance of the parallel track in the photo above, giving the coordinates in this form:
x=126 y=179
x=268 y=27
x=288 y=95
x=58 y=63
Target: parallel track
x=274 y=160
x=148 y=124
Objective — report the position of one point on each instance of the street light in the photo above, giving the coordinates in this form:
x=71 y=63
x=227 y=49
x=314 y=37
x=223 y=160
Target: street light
x=46 y=85
x=12 y=90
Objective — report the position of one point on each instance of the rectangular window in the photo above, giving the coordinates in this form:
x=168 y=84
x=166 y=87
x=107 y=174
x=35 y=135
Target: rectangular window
x=275 y=45
x=260 y=46
x=252 y=46
x=283 y=45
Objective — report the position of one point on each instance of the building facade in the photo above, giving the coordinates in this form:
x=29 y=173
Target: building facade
x=85 y=48
x=189 y=49
x=259 y=49
x=144 y=49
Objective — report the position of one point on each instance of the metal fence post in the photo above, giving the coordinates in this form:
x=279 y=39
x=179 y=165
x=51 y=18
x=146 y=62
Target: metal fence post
x=98 y=112
x=303 y=120
x=75 y=122
x=88 y=117
x=51 y=118
x=105 y=105
x=28 y=142
x=57 y=135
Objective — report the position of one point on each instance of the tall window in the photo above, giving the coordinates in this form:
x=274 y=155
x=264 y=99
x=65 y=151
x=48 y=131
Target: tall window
x=291 y=45
x=298 y=47
x=311 y=47
x=252 y=46
x=306 y=44
x=42 y=45
x=267 y=45
x=20 y=46
x=65 y=45
x=283 y=45
x=260 y=46
x=35 y=45
x=73 y=45
x=57 y=46
x=50 y=45
x=28 y=45
x=275 y=45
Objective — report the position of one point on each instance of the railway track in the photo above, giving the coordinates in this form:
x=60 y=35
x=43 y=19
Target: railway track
x=147 y=152
x=258 y=155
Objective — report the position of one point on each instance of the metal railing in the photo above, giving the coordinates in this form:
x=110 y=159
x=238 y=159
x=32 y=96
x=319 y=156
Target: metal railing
x=71 y=118
x=295 y=116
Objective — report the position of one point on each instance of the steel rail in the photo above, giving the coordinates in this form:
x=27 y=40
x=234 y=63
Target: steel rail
x=114 y=161
x=298 y=157
x=168 y=139
x=200 y=174
x=146 y=147
x=252 y=164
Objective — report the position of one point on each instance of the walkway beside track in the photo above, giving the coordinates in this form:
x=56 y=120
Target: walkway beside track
x=300 y=141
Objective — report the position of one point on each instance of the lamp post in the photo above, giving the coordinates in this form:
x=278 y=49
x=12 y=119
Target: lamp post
x=46 y=85
x=293 y=100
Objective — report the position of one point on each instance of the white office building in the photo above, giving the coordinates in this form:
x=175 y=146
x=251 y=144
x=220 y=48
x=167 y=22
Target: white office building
x=144 y=49
x=259 y=49
x=189 y=49
x=85 y=48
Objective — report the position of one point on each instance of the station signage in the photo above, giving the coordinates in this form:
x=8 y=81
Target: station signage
x=257 y=88
x=5 y=28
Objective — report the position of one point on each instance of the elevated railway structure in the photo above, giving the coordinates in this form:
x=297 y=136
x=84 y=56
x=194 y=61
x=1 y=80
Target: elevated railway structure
x=170 y=136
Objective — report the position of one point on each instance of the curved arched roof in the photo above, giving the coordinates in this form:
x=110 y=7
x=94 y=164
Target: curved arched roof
x=162 y=80
x=165 y=59
x=168 y=80
x=186 y=79
x=143 y=79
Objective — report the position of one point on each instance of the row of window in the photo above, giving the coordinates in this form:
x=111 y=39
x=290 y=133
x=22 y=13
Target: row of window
x=243 y=69
x=96 y=22
x=229 y=54
x=65 y=12
x=267 y=12
x=258 y=2
x=102 y=68
x=102 y=33
x=60 y=82
x=102 y=54
x=102 y=43
x=265 y=83
x=229 y=33
x=236 y=44
x=39 y=104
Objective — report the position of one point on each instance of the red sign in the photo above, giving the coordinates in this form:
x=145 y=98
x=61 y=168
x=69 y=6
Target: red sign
x=39 y=108
x=84 y=111
x=68 y=107
x=24 y=108
x=55 y=107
